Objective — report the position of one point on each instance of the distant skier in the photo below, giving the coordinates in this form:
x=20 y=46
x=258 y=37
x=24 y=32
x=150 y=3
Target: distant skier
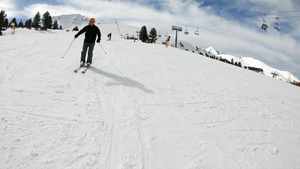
x=167 y=41
x=109 y=36
x=12 y=26
x=91 y=31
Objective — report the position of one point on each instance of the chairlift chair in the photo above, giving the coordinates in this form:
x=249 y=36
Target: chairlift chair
x=186 y=32
x=197 y=31
x=264 y=26
x=276 y=25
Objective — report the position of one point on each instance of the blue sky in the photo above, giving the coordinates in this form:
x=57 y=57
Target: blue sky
x=23 y=3
x=231 y=26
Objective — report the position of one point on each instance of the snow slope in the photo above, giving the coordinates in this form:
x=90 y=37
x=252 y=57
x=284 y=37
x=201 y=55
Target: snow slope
x=189 y=44
x=141 y=106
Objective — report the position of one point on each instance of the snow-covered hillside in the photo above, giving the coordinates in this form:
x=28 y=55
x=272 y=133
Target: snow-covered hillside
x=185 y=43
x=140 y=106
x=245 y=61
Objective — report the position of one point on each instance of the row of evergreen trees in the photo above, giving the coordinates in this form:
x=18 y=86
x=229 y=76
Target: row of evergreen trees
x=37 y=22
x=144 y=37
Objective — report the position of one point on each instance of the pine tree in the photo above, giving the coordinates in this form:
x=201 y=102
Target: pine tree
x=55 y=25
x=21 y=25
x=2 y=20
x=6 y=22
x=153 y=35
x=14 y=20
x=36 y=21
x=143 y=34
x=28 y=23
x=75 y=28
x=47 y=21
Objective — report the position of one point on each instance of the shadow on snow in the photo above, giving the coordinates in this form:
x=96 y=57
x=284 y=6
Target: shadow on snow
x=121 y=80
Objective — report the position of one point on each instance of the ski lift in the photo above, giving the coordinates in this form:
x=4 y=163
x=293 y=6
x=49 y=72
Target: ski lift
x=186 y=32
x=264 y=26
x=276 y=25
x=197 y=31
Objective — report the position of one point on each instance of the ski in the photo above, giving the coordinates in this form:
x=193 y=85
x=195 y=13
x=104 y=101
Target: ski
x=85 y=69
x=76 y=70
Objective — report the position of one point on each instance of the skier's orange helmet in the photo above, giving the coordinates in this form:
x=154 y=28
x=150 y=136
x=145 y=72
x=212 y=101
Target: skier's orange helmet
x=92 y=20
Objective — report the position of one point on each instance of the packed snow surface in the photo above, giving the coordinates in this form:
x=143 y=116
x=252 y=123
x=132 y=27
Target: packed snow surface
x=140 y=106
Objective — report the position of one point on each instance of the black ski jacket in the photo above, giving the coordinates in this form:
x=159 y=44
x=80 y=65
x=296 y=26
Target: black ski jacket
x=90 y=33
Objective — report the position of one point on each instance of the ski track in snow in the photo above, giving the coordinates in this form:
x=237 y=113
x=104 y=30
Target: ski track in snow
x=140 y=106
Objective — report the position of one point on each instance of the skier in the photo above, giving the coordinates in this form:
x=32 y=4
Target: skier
x=12 y=26
x=109 y=36
x=167 y=41
x=91 y=31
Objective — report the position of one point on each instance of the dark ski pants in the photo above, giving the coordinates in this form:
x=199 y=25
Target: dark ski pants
x=90 y=52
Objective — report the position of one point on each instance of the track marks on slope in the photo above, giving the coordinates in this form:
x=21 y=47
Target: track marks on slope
x=111 y=132
x=143 y=142
x=52 y=137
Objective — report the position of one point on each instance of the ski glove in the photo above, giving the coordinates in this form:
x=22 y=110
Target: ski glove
x=98 y=40
x=76 y=36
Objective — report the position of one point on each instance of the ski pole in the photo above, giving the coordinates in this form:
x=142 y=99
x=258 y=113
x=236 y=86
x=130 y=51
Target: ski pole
x=68 y=48
x=102 y=47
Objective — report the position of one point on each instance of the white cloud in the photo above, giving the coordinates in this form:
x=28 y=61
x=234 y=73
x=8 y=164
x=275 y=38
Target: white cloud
x=9 y=6
x=31 y=10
